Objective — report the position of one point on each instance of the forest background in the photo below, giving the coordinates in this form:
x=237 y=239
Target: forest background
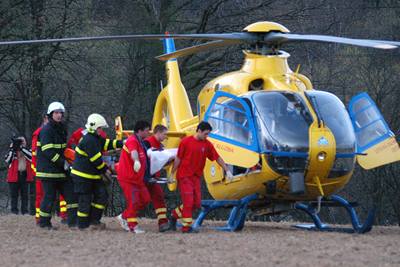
x=123 y=78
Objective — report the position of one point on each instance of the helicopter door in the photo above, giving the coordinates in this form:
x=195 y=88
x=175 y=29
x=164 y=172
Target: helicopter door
x=374 y=138
x=233 y=134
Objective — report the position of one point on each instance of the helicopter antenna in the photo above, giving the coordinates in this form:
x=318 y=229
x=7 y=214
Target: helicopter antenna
x=297 y=69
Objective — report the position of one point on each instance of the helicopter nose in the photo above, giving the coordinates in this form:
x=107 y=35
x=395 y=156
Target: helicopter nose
x=322 y=154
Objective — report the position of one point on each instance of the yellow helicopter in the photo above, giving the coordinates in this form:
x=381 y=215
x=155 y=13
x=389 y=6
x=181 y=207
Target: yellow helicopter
x=287 y=144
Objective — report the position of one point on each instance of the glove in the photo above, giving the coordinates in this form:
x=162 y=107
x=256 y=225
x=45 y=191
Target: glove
x=229 y=175
x=66 y=166
x=136 y=166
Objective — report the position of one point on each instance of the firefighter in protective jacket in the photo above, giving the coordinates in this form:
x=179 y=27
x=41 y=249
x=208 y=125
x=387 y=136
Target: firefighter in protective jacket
x=52 y=168
x=88 y=170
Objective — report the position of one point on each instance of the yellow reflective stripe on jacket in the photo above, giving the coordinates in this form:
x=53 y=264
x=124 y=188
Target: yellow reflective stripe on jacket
x=33 y=167
x=95 y=157
x=106 y=144
x=63 y=203
x=85 y=175
x=160 y=210
x=82 y=214
x=48 y=146
x=115 y=143
x=50 y=175
x=33 y=153
x=131 y=219
x=44 y=214
x=38 y=143
x=55 y=158
x=81 y=152
x=101 y=166
x=37 y=213
x=71 y=206
x=126 y=149
x=63 y=209
x=98 y=206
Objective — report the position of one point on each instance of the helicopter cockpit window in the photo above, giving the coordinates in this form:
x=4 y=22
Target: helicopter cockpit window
x=335 y=116
x=229 y=120
x=283 y=120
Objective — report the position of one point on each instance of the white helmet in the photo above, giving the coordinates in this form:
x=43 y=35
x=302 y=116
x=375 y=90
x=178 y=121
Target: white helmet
x=55 y=106
x=95 y=121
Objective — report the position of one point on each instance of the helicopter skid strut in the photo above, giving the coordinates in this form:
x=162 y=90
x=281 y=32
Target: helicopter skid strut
x=319 y=226
x=236 y=218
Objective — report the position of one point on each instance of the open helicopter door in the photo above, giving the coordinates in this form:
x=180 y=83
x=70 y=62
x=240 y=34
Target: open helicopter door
x=233 y=135
x=375 y=140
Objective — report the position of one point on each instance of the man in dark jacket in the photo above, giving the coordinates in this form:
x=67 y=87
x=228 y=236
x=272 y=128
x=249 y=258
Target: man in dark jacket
x=52 y=168
x=87 y=171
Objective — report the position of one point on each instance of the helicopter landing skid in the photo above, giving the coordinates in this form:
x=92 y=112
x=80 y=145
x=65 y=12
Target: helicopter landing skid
x=236 y=218
x=319 y=226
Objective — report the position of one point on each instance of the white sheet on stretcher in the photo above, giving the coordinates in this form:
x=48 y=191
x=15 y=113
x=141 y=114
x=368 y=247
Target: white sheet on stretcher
x=158 y=159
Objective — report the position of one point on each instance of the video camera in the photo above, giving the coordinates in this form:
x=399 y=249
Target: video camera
x=16 y=143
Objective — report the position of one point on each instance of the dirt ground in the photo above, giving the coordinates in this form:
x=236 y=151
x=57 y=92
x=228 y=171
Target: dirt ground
x=259 y=244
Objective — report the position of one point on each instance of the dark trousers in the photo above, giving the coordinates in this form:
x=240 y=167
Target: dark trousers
x=93 y=197
x=50 y=188
x=19 y=188
x=32 y=196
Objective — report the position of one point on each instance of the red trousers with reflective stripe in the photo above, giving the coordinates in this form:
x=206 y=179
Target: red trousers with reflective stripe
x=39 y=197
x=136 y=198
x=157 y=197
x=39 y=193
x=190 y=190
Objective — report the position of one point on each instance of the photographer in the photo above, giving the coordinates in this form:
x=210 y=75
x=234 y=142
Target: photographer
x=18 y=159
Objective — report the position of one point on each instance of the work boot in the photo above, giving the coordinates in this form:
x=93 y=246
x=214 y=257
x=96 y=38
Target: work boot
x=122 y=222
x=172 y=224
x=163 y=227
x=137 y=230
x=48 y=227
x=97 y=226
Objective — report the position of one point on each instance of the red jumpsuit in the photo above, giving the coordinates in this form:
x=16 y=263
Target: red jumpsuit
x=38 y=184
x=76 y=136
x=192 y=154
x=132 y=183
x=155 y=190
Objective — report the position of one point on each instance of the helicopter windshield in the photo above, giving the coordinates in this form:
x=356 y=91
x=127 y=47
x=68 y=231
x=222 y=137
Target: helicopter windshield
x=284 y=120
x=335 y=116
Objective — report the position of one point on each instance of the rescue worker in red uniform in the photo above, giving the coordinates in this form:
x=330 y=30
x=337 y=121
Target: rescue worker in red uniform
x=19 y=174
x=190 y=160
x=155 y=190
x=87 y=170
x=76 y=136
x=131 y=171
x=52 y=168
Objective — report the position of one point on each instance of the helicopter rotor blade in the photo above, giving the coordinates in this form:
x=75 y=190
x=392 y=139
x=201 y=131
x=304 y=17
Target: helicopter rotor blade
x=280 y=38
x=198 y=48
x=242 y=36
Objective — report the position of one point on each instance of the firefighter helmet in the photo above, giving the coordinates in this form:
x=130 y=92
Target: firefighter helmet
x=95 y=121
x=55 y=106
